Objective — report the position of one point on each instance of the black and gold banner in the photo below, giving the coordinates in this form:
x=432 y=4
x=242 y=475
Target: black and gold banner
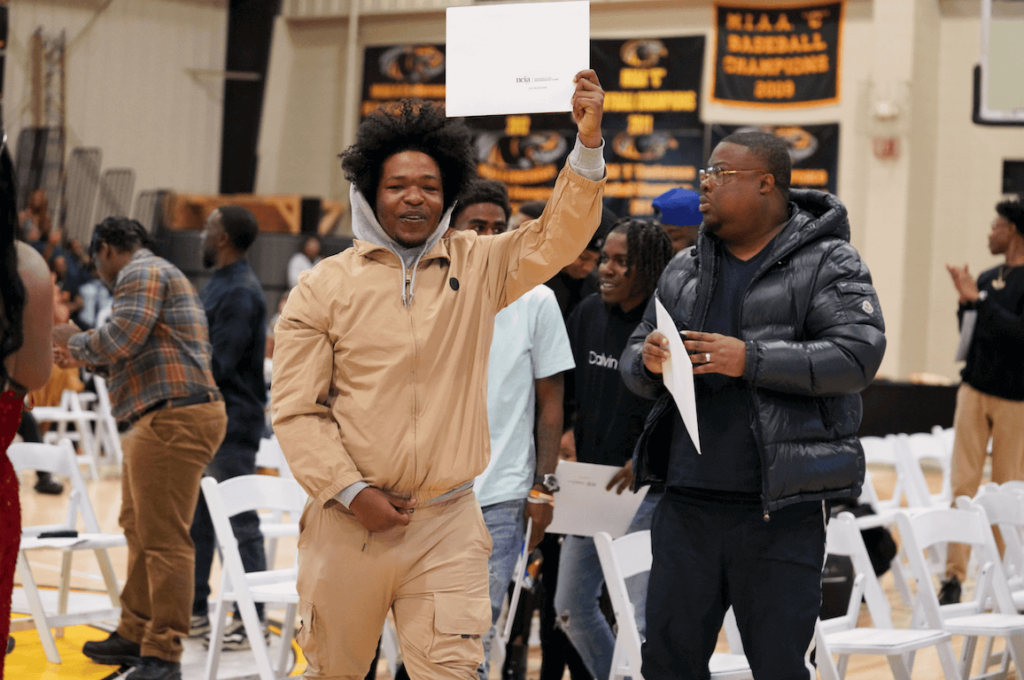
x=785 y=56
x=814 y=150
x=653 y=134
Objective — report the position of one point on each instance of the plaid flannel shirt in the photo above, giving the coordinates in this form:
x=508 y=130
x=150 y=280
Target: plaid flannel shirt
x=156 y=345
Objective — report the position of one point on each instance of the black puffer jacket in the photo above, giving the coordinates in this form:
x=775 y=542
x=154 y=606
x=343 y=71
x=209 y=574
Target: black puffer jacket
x=815 y=338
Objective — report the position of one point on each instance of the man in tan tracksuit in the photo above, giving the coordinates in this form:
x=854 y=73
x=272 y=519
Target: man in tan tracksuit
x=380 y=390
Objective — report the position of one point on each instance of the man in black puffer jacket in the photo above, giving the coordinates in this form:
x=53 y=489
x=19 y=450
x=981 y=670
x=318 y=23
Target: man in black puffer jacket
x=785 y=329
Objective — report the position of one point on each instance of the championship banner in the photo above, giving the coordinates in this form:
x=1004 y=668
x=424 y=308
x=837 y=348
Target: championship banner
x=396 y=72
x=814 y=150
x=786 y=56
x=653 y=134
x=654 y=139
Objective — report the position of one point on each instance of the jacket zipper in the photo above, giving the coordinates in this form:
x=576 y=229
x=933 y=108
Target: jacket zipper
x=415 y=359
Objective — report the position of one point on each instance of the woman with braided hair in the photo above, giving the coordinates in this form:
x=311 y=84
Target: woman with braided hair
x=26 y=318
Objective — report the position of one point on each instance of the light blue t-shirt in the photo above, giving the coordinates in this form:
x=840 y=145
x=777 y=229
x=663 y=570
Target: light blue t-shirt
x=530 y=342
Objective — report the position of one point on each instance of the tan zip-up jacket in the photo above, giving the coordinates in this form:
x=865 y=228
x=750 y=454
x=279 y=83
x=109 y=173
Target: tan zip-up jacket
x=409 y=382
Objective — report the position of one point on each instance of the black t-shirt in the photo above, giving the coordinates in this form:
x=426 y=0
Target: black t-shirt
x=725 y=411
x=610 y=418
x=995 y=360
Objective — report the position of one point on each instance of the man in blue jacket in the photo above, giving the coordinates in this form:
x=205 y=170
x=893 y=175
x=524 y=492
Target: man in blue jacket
x=784 y=329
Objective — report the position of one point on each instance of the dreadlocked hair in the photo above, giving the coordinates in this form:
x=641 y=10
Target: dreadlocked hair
x=648 y=251
x=122 y=234
x=12 y=290
x=410 y=125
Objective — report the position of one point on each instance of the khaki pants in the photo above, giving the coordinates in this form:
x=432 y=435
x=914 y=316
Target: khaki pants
x=432 y=574
x=979 y=416
x=165 y=454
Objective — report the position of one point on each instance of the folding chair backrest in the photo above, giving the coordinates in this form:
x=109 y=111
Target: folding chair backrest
x=58 y=459
x=927 y=446
x=271 y=456
x=914 y=484
x=924 y=529
x=844 y=538
x=882 y=451
x=633 y=553
x=1004 y=509
x=261 y=492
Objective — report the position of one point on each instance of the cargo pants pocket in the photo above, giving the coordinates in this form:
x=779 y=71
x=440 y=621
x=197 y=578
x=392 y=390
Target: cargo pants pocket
x=460 y=620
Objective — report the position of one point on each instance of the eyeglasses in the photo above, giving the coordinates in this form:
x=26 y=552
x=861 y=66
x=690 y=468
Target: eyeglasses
x=715 y=176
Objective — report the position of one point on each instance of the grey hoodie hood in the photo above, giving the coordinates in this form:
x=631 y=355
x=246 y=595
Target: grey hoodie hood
x=365 y=227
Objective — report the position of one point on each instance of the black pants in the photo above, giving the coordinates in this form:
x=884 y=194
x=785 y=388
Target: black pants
x=233 y=459
x=709 y=556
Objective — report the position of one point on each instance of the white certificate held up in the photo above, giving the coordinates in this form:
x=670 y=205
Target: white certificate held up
x=678 y=373
x=521 y=58
x=584 y=507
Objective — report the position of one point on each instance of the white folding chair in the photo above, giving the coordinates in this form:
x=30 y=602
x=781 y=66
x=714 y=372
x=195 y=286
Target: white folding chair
x=842 y=636
x=272 y=523
x=925 y=447
x=625 y=557
x=925 y=529
x=1004 y=509
x=881 y=452
x=60 y=459
x=225 y=500
x=108 y=437
x=71 y=411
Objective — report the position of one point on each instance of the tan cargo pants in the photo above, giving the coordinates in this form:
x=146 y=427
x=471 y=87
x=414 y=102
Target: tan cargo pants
x=432 y=574
x=979 y=416
x=165 y=454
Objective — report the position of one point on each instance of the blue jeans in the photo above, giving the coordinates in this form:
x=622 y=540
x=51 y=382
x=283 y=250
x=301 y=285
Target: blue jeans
x=579 y=588
x=233 y=459
x=505 y=522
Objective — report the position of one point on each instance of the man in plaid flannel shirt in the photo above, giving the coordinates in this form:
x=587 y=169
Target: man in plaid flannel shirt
x=156 y=349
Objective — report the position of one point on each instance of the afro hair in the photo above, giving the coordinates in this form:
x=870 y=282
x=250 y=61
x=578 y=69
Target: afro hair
x=410 y=125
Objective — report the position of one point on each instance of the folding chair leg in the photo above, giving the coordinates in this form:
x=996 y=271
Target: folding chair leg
x=1015 y=644
x=841 y=665
x=35 y=606
x=109 y=578
x=967 y=656
x=254 y=630
x=65 y=588
x=947 y=659
x=216 y=631
x=898 y=664
x=287 y=631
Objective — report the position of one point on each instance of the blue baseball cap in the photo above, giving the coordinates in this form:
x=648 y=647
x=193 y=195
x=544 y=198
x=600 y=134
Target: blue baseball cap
x=679 y=208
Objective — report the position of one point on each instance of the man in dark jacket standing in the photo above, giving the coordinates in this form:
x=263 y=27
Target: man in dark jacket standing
x=785 y=329
x=236 y=310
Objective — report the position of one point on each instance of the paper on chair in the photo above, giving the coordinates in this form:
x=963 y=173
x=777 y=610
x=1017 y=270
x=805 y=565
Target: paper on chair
x=677 y=373
x=517 y=58
x=583 y=506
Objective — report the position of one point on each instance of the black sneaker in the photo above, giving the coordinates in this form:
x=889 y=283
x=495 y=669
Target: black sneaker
x=154 y=668
x=10 y=644
x=45 y=483
x=950 y=592
x=114 y=651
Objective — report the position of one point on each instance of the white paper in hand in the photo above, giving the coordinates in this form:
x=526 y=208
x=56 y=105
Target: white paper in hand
x=677 y=372
x=491 y=69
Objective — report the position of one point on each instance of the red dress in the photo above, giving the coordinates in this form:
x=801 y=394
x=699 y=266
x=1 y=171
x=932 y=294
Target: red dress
x=10 y=510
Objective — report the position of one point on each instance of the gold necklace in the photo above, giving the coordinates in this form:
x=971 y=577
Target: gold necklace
x=999 y=283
